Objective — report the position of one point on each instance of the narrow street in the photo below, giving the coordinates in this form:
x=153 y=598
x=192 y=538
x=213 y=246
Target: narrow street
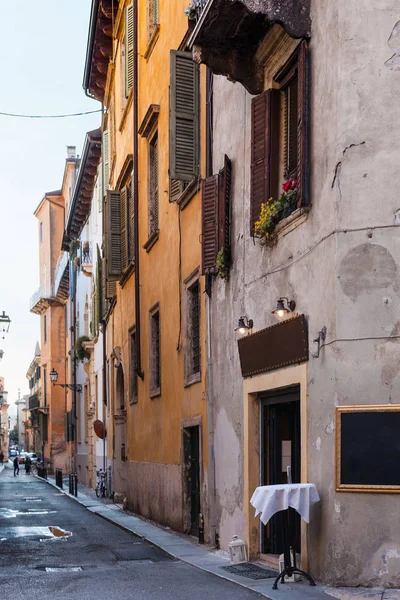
x=94 y=560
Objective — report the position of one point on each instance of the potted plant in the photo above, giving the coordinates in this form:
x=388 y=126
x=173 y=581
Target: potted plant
x=273 y=211
x=191 y=10
x=80 y=352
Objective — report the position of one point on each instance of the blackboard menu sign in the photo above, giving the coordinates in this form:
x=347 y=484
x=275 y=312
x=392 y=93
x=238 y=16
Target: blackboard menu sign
x=368 y=449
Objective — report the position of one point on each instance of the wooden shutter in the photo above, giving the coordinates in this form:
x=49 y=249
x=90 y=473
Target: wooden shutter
x=265 y=110
x=210 y=233
x=176 y=188
x=99 y=291
x=184 y=117
x=113 y=233
x=156 y=12
x=224 y=210
x=124 y=228
x=129 y=50
x=153 y=206
x=291 y=128
x=106 y=160
x=100 y=192
x=131 y=213
x=303 y=169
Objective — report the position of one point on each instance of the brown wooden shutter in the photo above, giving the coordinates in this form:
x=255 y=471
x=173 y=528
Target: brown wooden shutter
x=291 y=128
x=265 y=121
x=303 y=168
x=224 y=210
x=210 y=213
x=113 y=232
x=184 y=117
x=124 y=228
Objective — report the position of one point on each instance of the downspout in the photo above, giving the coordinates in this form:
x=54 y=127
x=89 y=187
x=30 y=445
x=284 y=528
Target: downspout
x=73 y=336
x=210 y=429
x=139 y=370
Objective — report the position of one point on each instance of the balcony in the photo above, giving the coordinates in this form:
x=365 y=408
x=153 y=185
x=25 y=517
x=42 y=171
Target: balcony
x=41 y=299
x=227 y=34
x=34 y=402
x=86 y=258
x=61 y=278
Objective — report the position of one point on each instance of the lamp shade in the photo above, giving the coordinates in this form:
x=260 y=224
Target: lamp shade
x=53 y=376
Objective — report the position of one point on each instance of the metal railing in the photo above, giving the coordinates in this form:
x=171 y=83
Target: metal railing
x=46 y=292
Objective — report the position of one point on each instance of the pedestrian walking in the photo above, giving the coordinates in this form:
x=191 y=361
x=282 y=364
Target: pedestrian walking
x=1 y=458
x=16 y=466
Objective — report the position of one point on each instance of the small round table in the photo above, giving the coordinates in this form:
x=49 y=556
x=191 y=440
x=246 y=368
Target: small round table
x=270 y=499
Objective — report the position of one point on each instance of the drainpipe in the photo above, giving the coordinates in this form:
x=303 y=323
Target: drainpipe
x=139 y=370
x=210 y=427
x=73 y=340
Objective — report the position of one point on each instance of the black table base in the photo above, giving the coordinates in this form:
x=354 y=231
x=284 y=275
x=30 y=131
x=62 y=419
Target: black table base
x=289 y=569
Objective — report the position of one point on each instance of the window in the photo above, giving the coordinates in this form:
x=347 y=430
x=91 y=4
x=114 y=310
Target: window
x=155 y=367
x=216 y=200
x=153 y=185
x=86 y=409
x=41 y=232
x=44 y=387
x=152 y=17
x=279 y=132
x=192 y=329
x=133 y=378
x=45 y=329
x=184 y=135
x=128 y=50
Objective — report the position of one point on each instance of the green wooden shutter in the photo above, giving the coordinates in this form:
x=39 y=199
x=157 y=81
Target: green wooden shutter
x=129 y=50
x=210 y=215
x=124 y=228
x=184 y=117
x=113 y=232
x=99 y=290
x=131 y=220
x=156 y=12
x=106 y=161
x=100 y=186
x=176 y=188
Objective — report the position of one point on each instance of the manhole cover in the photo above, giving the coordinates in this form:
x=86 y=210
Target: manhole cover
x=251 y=571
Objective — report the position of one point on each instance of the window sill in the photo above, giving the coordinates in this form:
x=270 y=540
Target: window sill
x=130 y=269
x=133 y=400
x=152 y=240
x=291 y=222
x=155 y=393
x=196 y=378
x=152 y=42
x=188 y=193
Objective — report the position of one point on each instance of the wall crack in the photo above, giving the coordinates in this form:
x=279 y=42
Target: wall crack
x=339 y=164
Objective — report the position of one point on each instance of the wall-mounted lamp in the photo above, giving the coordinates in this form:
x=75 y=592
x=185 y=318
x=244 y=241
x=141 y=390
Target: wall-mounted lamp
x=283 y=308
x=71 y=386
x=244 y=325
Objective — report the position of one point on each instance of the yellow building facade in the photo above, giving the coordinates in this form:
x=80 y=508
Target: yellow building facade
x=154 y=314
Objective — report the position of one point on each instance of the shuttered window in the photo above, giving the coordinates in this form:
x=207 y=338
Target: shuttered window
x=184 y=117
x=279 y=120
x=129 y=49
x=153 y=185
x=265 y=125
x=113 y=233
x=216 y=201
x=194 y=325
x=155 y=363
x=106 y=160
x=131 y=221
x=133 y=378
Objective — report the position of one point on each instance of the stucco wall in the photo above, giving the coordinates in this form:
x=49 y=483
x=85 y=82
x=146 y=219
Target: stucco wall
x=342 y=279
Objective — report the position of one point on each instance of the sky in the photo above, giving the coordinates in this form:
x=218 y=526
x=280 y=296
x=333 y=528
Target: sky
x=42 y=56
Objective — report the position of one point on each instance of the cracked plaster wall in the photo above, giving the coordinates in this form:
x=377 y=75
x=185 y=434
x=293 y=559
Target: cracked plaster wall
x=348 y=282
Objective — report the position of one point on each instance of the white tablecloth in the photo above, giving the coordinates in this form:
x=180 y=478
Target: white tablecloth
x=269 y=499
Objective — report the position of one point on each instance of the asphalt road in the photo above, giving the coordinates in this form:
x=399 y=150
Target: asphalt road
x=92 y=559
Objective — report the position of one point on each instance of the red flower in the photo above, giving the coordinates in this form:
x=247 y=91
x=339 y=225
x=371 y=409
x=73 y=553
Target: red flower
x=290 y=184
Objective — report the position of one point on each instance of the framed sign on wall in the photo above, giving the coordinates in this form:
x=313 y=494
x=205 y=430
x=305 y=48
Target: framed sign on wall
x=368 y=449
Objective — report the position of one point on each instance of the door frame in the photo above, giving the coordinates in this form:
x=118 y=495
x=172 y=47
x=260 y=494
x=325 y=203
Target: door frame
x=186 y=504
x=252 y=387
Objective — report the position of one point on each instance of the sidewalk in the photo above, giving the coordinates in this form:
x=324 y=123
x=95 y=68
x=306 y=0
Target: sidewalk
x=202 y=557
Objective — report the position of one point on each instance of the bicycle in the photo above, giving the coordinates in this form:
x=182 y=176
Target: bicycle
x=101 y=483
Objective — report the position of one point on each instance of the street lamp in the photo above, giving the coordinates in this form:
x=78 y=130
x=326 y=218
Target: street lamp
x=71 y=386
x=4 y=323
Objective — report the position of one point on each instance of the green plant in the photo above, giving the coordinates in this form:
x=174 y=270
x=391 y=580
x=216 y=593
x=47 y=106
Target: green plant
x=273 y=211
x=80 y=352
x=73 y=248
x=191 y=10
x=222 y=268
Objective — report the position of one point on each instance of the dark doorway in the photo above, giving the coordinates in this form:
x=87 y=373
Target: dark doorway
x=280 y=435
x=191 y=449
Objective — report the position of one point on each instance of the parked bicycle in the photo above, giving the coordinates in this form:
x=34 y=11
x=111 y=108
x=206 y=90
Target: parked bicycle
x=101 y=487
